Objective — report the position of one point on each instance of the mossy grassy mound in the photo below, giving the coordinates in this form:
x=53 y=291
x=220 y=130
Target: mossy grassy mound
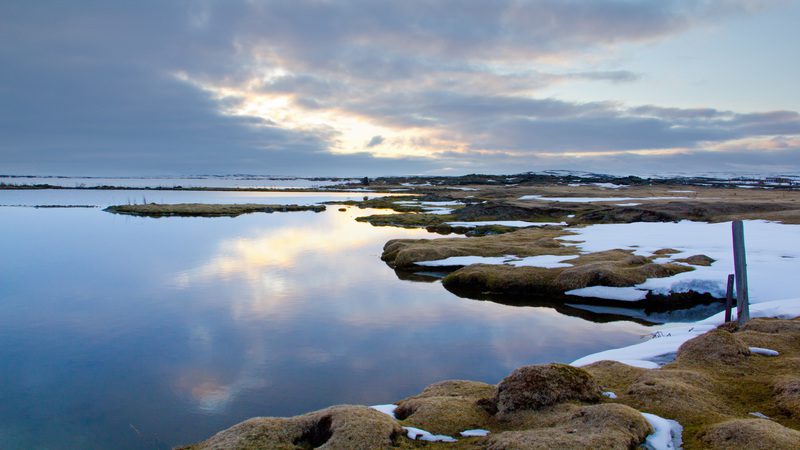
x=534 y=387
x=787 y=394
x=616 y=268
x=404 y=253
x=750 y=434
x=715 y=380
x=394 y=202
x=206 y=210
x=448 y=407
x=408 y=220
x=715 y=347
x=339 y=427
x=610 y=268
x=608 y=426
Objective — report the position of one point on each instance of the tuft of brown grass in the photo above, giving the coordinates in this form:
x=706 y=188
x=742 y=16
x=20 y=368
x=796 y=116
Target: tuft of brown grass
x=607 y=426
x=787 y=394
x=337 y=427
x=534 y=387
x=750 y=434
x=400 y=253
x=447 y=407
x=713 y=348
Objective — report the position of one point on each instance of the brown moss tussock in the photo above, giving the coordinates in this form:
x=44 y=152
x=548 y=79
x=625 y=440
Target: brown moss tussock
x=750 y=434
x=534 y=387
x=339 y=427
x=715 y=347
x=608 y=426
x=447 y=407
x=697 y=260
x=610 y=268
x=404 y=253
x=787 y=395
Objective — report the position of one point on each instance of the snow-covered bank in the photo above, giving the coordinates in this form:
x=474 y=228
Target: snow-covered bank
x=546 y=261
x=772 y=259
x=506 y=223
x=593 y=199
x=668 y=338
x=666 y=433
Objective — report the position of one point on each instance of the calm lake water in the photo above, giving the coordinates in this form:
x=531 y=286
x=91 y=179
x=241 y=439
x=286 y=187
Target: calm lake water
x=137 y=333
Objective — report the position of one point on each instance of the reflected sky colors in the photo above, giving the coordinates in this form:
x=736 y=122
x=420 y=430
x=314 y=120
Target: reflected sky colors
x=124 y=332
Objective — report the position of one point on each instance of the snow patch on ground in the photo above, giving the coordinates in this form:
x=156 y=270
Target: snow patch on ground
x=669 y=337
x=771 y=260
x=475 y=433
x=666 y=433
x=506 y=223
x=610 y=395
x=593 y=199
x=546 y=261
x=432 y=207
x=626 y=294
x=628 y=204
x=386 y=409
x=600 y=185
x=763 y=351
x=414 y=433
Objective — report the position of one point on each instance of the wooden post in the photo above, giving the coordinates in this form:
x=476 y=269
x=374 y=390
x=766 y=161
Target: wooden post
x=740 y=268
x=729 y=298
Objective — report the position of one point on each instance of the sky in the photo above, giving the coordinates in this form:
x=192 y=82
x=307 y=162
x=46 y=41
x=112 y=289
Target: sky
x=407 y=87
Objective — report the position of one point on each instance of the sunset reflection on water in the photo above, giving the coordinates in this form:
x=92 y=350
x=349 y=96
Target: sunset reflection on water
x=218 y=320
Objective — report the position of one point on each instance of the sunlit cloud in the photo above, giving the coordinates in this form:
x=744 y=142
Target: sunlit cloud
x=324 y=87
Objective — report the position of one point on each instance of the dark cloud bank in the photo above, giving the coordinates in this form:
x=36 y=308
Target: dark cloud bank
x=90 y=87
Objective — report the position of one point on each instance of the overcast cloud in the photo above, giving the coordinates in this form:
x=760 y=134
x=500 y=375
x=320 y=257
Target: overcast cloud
x=360 y=87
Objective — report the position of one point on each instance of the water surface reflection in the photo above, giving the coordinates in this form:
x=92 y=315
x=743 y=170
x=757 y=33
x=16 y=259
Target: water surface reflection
x=124 y=332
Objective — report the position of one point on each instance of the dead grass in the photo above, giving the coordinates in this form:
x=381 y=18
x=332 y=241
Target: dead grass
x=715 y=380
x=750 y=434
x=610 y=268
x=401 y=253
x=787 y=394
x=338 y=427
x=607 y=426
x=534 y=387
x=713 y=348
x=406 y=220
x=447 y=407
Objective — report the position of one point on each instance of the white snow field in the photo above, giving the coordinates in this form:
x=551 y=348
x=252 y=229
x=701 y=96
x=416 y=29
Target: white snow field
x=506 y=223
x=667 y=338
x=546 y=261
x=773 y=256
x=594 y=199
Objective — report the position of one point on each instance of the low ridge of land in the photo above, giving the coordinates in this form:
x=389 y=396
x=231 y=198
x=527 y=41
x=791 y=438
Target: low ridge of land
x=206 y=210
